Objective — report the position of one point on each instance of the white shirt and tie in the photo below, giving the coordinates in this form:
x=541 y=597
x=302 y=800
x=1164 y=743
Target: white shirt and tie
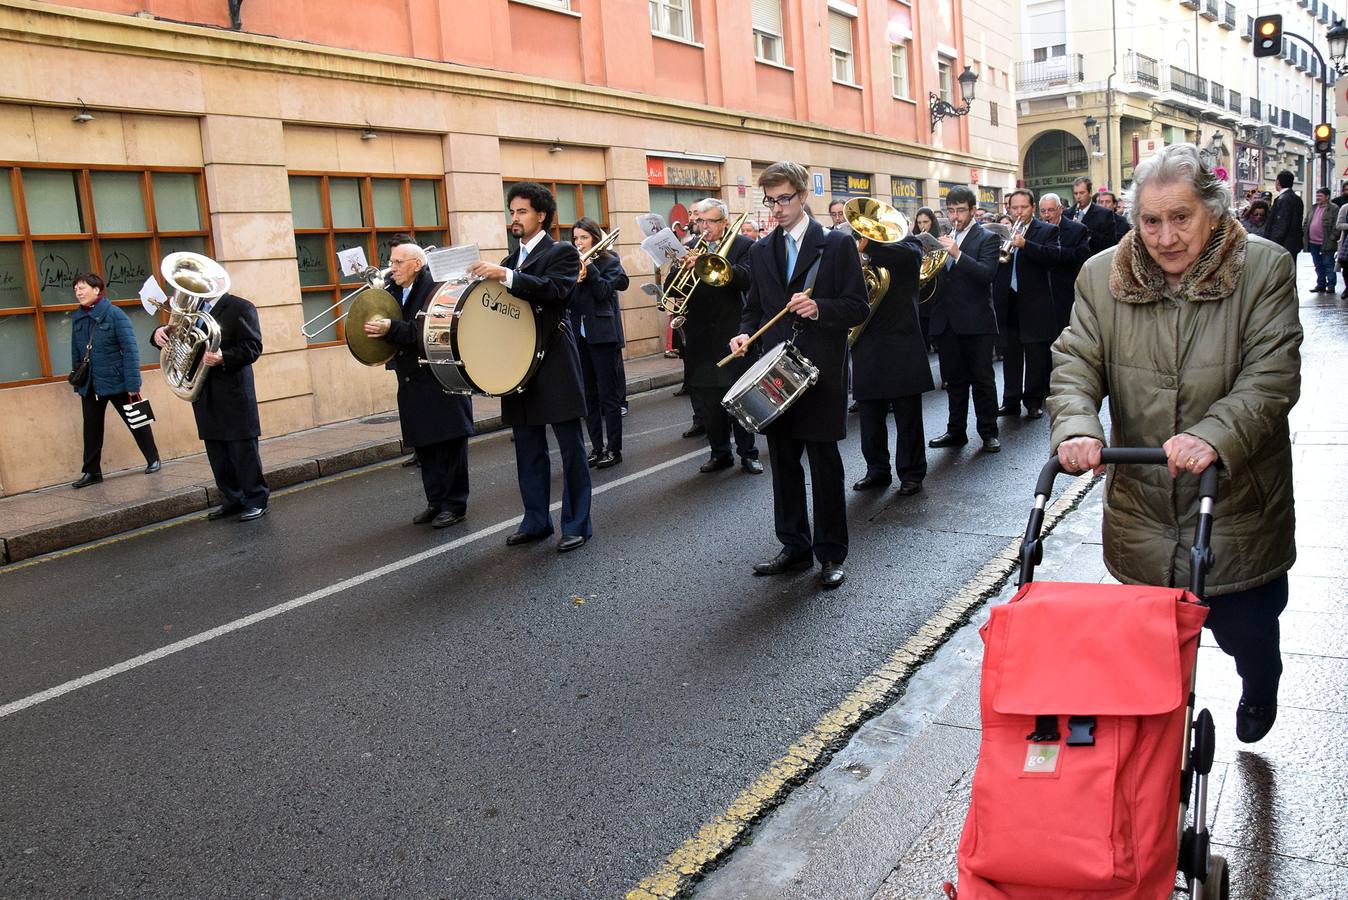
x=793 y=239
x=525 y=249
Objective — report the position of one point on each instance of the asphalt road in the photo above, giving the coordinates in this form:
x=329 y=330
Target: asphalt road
x=473 y=720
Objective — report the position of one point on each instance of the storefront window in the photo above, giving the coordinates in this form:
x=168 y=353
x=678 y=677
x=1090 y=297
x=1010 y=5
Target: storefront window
x=338 y=212
x=114 y=222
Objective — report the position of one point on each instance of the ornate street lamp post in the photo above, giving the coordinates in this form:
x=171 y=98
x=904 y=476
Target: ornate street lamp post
x=940 y=107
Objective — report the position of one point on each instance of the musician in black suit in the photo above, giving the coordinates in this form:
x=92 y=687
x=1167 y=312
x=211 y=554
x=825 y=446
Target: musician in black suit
x=816 y=276
x=1066 y=259
x=1100 y=222
x=1110 y=201
x=226 y=409
x=890 y=371
x=964 y=324
x=436 y=424
x=596 y=320
x=543 y=272
x=1285 y=221
x=1023 y=296
x=713 y=318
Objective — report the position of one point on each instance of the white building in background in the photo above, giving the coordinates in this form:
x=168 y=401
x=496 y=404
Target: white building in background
x=1100 y=84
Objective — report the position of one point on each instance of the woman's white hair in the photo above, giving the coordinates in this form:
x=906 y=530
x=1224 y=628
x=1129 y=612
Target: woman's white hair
x=1179 y=164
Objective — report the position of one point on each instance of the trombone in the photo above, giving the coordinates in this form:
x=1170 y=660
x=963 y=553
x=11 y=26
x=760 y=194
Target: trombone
x=374 y=279
x=713 y=269
x=605 y=242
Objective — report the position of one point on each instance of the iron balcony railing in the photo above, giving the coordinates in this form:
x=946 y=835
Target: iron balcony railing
x=1041 y=75
x=1229 y=17
x=1218 y=94
x=1256 y=109
x=1301 y=124
x=1143 y=70
x=1233 y=99
x=1188 y=83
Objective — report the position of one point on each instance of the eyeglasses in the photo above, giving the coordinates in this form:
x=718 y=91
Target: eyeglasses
x=784 y=199
x=398 y=262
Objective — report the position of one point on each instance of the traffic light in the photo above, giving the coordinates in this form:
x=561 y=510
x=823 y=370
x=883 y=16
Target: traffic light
x=1324 y=138
x=1268 y=36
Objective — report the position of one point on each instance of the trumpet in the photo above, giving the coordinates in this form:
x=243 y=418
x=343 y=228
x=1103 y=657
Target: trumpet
x=1008 y=236
x=607 y=241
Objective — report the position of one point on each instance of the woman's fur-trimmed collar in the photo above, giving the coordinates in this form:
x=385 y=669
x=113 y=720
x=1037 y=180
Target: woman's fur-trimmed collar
x=1136 y=278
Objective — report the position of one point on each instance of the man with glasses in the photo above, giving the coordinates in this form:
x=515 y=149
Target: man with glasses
x=1073 y=249
x=544 y=272
x=437 y=425
x=713 y=319
x=964 y=324
x=816 y=276
x=835 y=213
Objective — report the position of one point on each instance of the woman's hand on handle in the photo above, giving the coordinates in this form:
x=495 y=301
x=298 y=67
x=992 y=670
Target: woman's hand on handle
x=1186 y=453
x=1078 y=454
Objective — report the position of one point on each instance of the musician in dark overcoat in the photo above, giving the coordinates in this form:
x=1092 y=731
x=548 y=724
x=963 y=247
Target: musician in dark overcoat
x=815 y=275
x=226 y=409
x=1023 y=295
x=543 y=272
x=596 y=320
x=890 y=372
x=713 y=318
x=436 y=423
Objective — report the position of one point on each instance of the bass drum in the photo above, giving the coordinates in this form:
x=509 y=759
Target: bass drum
x=481 y=340
x=770 y=386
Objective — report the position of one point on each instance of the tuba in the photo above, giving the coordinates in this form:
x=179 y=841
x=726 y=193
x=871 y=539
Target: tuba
x=194 y=280
x=872 y=220
x=933 y=260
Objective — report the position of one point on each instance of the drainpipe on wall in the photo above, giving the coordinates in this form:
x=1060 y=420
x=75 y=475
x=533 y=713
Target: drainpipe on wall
x=1109 y=101
x=236 y=14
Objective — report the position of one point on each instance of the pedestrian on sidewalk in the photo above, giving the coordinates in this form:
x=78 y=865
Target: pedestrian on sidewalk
x=103 y=342
x=1322 y=239
x=1191 y=321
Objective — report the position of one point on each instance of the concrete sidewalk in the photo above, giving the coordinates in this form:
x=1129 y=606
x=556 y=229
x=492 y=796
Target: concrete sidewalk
x=58 y=517
x=882 y=821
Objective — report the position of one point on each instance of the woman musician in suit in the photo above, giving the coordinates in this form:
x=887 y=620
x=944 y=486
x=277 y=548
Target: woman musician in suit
x=595 y=310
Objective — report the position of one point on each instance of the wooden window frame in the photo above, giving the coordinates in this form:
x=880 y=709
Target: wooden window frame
x=84 y=180
x=555 y=228
x=335 y=292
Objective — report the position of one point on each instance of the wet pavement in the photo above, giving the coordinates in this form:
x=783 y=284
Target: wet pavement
x=57 y=517
x=882 y=821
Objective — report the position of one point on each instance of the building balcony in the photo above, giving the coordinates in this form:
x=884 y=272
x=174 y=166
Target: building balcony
x=1256 y=109
x=1142 y=70
x=1301 y=125
x=1286 y=121
x=1218 y=95
x=1209 y=10
x=1190 y=4
x=1228 y=17
x=1041 y=75
x=1188 y=84
x=1233 y=102
x=1248 y=33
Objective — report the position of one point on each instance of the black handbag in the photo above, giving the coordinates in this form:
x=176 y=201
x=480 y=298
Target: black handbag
x=79 y=375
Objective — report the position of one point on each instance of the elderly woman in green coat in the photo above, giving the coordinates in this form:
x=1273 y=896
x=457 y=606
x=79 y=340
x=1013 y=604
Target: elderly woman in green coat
x=1190 y=327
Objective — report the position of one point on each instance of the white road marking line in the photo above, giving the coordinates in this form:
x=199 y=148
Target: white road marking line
x=136 y=662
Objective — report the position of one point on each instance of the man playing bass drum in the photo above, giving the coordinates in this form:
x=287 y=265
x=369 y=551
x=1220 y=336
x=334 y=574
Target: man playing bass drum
x=713 y=319
x=890 y=371
x=798 y=255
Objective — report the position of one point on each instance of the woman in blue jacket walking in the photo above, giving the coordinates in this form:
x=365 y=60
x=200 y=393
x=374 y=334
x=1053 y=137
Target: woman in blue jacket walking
x=114 y=373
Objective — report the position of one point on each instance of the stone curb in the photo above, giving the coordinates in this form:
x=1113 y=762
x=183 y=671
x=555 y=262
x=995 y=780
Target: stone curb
x=50 y=538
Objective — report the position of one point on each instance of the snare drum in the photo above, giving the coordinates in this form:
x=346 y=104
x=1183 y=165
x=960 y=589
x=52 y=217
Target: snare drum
x=480 y=340
x=771 y=385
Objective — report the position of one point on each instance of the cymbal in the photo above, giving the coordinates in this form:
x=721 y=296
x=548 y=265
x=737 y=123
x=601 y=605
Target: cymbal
x=369 y=305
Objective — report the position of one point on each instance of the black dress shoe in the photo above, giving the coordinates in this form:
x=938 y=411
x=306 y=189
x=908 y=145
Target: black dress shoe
x=1253 y=721
x=153 y=467
x=594 y=458
x=695 y=431
x=716 y=464
x=252 y=512
x=1009 y=409
x=411 y=461
x=751 y=465
x=87 y=479
x=524 y=537
x=1034 y=412
x=570 y=542
x=872 y=481
x=832 y=575
x=223 y=512
x=446 y=519
x=909 y=488
x=784 y=562
x=426 y=515
x=948 y=439
x=992 y=445
x=610 y=459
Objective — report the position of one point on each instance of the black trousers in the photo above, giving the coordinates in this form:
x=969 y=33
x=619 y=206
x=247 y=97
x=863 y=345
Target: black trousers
x=237 y=467
x=444 y=474
x=910 y=444
x=966 y=368
x=790 y=515
x=605 y=387
x=1245 y=625
x=95 y=410
x=534 y=467
x=721 y=424
x=1025 y=364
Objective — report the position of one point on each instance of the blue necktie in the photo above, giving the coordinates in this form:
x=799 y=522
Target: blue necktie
x=791 y=251
x=524 y=251
x=1015 y=258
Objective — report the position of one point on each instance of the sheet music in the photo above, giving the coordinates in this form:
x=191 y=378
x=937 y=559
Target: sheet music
x=650 y=223
x=929 y=242
x=451 y=263
x=664 y=247
x=352 y=260
x=150 y=292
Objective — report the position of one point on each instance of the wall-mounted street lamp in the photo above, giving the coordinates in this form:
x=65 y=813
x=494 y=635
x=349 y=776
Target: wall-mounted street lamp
x=1093 y=134
x=1337 y=38
x=941 y=108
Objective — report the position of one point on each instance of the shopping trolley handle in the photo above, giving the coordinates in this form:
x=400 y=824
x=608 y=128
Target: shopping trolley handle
x=1128 y=456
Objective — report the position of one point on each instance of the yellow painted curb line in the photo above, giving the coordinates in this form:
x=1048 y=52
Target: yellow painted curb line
x=875 y=691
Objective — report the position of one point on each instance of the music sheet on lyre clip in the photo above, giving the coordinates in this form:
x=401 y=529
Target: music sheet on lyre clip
x=451 y=263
